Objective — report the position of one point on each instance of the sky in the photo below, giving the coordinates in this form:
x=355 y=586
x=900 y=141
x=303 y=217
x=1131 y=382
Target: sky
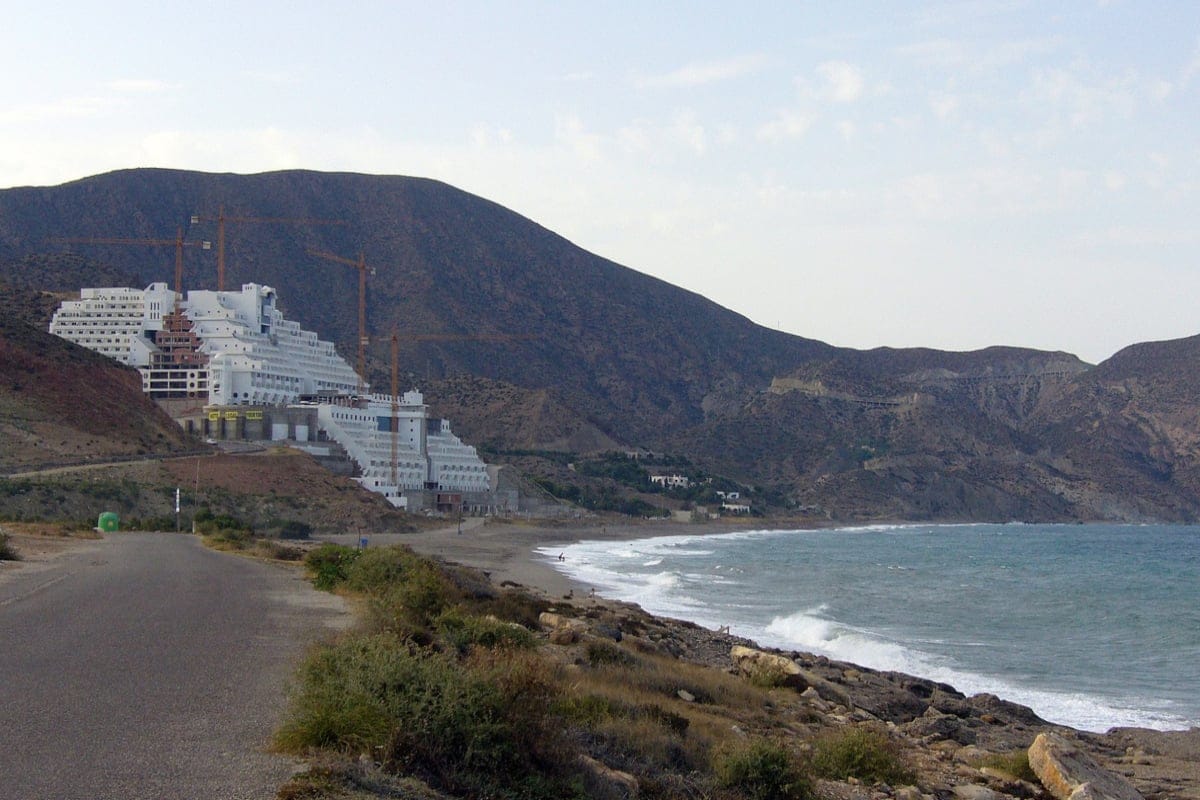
x=947 y=174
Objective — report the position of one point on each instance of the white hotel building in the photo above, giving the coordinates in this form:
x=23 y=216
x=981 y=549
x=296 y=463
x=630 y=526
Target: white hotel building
x=231 y=349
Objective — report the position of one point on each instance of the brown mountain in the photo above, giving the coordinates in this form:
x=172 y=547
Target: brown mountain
x=602 y=357
x=62 y=403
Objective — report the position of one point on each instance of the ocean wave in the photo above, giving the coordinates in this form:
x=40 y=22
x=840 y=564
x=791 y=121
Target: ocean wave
x=807 y=631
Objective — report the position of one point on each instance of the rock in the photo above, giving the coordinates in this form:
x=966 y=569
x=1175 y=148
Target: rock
x=563 y=635
x=940 y=726
x=1069 y=773
x=549 y=620
x=784 y=671
x=953 y=704
x=908 y=793
x=608 y=631
x=686 y=696
x=602 y=780
x=973 y=791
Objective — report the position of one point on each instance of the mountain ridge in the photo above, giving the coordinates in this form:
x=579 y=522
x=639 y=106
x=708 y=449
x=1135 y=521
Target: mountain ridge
x=617 y=358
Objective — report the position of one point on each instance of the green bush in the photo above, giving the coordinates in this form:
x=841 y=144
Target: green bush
x=862 y=753
x=762 y=770
x=294 y=529
x=7 y=552
x=602 y=651
x=379 y=568
x=463 y=631
x=329 y=564
x=480 y=728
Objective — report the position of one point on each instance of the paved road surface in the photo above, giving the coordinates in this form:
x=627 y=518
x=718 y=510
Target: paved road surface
x=145 y=666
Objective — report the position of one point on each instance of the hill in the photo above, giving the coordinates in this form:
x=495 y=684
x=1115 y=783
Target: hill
x=601 y=357
x=61 y=403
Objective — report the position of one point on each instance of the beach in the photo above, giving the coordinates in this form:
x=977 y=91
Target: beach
x=1163 y=763
x=507 y=551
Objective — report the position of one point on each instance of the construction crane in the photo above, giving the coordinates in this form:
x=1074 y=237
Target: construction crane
x=221 y=219
x=361 y=266
x=178 y=243
x=431 y=337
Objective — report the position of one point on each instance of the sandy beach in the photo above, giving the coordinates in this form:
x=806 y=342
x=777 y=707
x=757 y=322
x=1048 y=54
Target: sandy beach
x=506 y=551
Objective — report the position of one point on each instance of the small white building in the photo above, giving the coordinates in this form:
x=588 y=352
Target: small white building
x=671 y=481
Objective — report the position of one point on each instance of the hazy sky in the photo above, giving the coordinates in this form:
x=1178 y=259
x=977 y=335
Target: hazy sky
x=951 y=175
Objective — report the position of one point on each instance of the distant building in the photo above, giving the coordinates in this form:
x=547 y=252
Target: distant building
x=261 y=376
x=671 y=481
x=227 y=348
x=729 y=495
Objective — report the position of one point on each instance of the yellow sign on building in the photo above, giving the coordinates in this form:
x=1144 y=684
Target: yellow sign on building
x=253 y=415
x=214 y=416
x=231 y=415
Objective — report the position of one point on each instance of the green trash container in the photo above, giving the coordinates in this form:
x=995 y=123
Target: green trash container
x=108 y=522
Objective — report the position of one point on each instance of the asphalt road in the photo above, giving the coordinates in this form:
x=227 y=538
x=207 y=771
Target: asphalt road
x=147 y=666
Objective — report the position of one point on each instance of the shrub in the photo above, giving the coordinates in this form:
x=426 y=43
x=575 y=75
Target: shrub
x=380 y=568
x=464 y=631
x=602 y=651
x=329 y=564
x=412 y=602
x=279 y=552
x=763 y=770
x=7 y=551
x=861 y=753
x=294 y=529
x=516 y=606
x=767 y=675
x=481 y=728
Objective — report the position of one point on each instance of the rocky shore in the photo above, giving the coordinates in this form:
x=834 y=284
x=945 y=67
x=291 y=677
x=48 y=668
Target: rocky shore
x=950 y=738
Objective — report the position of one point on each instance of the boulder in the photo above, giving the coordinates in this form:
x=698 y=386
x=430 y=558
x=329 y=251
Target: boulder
x=940 y=726
x=973 y=791
x=1069 y=773
x=603 y=781
x=750 y=662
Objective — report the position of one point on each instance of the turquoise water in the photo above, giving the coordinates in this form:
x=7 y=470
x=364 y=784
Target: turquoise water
x=1093 y=626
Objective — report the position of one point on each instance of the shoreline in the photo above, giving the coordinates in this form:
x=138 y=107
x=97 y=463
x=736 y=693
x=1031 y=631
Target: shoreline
x=508 y=553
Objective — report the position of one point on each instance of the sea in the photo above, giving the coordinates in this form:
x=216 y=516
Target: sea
x=1092 y=626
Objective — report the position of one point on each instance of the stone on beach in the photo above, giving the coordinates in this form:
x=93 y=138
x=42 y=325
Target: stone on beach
x=1069 y=773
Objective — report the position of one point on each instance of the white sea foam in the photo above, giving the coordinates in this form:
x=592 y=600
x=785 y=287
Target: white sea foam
x=810 y=632
x=689 y=577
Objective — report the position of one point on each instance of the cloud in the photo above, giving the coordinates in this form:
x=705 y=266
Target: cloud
x=977 y=56
x=140 y=86
x=701 y=73
x=569 y=130
x=64 y=108
x=786 y=125
x=843 y=81
x=683 y=132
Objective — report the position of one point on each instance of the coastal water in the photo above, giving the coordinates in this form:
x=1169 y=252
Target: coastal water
x=1093 y=626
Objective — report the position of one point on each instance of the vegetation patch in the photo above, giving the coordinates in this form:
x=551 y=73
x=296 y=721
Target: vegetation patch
x=865 y=754
x=480 y=726
x=1015 y=763
x=329 y=563
x=762 y=769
